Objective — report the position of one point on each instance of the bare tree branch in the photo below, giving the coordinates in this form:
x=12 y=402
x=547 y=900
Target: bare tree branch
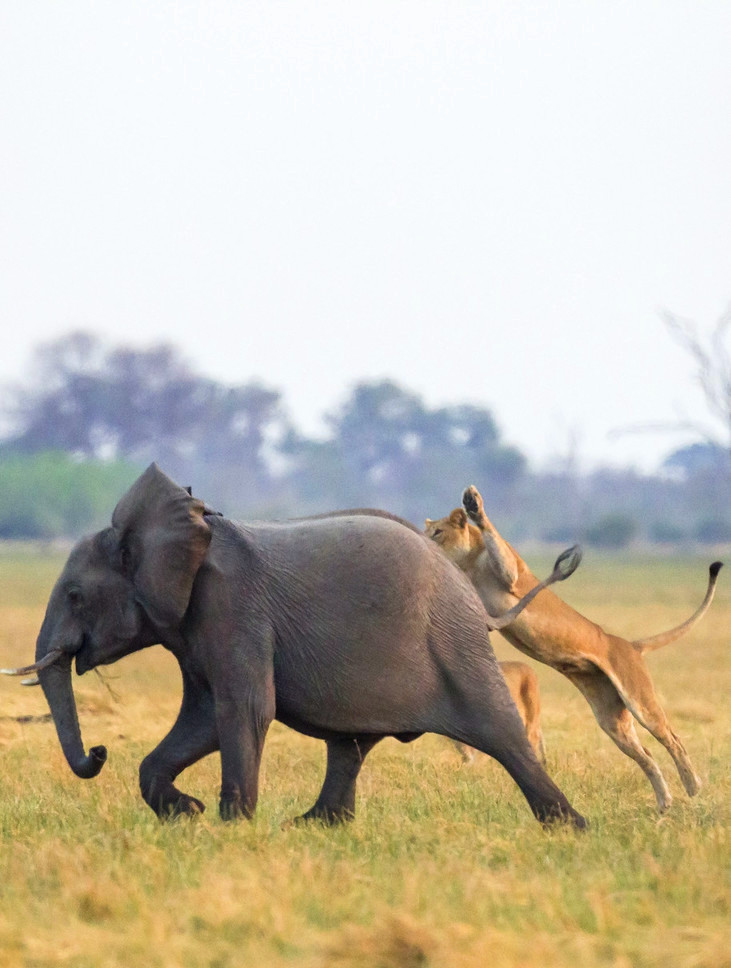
x=667 y=427
x=712 y=359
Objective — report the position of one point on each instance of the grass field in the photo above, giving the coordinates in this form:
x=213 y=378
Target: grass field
x=444 y=866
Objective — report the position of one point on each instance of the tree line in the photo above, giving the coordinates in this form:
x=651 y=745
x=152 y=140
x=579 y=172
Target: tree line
x=94 y=415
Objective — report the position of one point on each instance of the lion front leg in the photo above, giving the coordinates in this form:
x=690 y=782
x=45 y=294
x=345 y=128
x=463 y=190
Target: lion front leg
x=475 y=508
x=503 y=560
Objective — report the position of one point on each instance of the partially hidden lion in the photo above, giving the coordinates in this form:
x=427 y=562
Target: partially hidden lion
x=523 y=685
x=608 y=670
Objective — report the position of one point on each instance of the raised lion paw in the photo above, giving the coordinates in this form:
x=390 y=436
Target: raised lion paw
x=472 y=501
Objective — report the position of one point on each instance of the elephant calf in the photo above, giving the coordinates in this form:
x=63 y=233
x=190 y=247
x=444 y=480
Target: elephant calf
x=348 y=627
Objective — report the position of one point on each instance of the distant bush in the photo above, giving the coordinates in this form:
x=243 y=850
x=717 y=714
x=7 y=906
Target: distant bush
x=713 y=531
x=51 y=494
x=666 y=532
x=612 y=531
x=560 y=534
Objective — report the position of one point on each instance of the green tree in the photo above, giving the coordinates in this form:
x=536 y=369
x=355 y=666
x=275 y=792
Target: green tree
x=400 y=454
x=119 y=403
x=52 y=494
x=612 y=531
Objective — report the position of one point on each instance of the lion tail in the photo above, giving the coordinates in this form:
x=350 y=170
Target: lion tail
x=665 y=638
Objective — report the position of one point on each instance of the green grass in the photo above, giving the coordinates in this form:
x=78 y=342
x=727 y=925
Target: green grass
x=444 y=865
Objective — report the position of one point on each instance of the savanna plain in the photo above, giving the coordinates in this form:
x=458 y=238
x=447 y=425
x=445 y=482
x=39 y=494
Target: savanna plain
x=444 y=865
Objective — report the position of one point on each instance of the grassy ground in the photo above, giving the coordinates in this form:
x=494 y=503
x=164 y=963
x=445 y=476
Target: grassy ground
x=444 y=866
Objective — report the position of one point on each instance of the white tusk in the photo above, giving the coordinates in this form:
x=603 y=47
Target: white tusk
x=43 y=663
x=33 y=681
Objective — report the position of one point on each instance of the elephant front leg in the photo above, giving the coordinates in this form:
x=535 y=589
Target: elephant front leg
x=193 y=736
x=336 y=802
x=242 y=676
x=242 y=729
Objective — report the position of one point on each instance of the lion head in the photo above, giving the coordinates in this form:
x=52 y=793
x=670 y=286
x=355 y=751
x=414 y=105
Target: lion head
x=455 y=535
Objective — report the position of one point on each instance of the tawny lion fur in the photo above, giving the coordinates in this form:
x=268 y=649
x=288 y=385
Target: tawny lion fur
x=608 y=670
x=523 y=685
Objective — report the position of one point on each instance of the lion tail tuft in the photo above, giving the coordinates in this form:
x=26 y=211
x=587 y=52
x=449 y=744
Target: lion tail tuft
x=665 y=638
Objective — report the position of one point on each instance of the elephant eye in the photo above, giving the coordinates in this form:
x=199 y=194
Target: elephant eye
x=76 y=599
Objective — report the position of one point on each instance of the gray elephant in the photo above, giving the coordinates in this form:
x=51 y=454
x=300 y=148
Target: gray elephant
x=348 y=627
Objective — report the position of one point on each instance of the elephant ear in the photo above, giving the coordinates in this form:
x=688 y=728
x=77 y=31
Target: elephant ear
x=166 y=537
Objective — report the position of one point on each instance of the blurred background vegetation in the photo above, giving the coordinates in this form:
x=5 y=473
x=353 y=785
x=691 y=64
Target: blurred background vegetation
x=95 y=415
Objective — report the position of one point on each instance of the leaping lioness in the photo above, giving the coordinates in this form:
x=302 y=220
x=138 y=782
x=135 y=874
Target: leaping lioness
x=608 y=670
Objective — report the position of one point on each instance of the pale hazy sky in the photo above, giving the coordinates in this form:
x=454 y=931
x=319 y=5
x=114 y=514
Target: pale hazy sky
x=488 y=202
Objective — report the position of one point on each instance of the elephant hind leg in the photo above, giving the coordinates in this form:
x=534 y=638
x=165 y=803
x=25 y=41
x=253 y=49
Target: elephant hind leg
x=495 y=728
x=546 y=800
x=345 y=756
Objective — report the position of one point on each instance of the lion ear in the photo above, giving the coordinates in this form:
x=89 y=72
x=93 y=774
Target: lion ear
x=458 y=518
x=167 y=538
x=427 y=522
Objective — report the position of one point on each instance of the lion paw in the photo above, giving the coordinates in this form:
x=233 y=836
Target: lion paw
x=472 y=501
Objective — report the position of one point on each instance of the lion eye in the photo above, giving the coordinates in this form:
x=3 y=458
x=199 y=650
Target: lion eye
x=436 y=532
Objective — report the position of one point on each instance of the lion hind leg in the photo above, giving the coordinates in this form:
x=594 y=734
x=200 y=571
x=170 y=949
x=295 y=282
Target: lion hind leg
x=533 y=726
x=465 y=751
x=642 y=702
x=621 y=729
x=616 y=721
x=523 y=685
x=653 y=718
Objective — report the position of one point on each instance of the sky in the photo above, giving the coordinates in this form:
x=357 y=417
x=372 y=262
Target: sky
x=490 y=203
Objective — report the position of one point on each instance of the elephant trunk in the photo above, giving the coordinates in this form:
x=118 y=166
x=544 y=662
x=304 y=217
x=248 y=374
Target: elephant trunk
x=56 y=683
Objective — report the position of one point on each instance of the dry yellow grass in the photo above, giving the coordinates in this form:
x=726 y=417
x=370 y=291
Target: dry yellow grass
x=444 y=866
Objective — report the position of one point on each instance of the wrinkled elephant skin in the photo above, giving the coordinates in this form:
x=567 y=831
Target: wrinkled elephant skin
x=348 y=627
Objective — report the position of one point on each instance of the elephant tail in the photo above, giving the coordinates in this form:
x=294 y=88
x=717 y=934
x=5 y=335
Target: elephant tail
x=566 y=564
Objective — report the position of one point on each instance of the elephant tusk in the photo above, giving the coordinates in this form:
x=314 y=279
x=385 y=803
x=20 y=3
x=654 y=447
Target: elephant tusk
x=33 y=681
x=43 y=663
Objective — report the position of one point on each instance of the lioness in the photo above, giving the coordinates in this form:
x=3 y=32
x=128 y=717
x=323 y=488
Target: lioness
x=607 y=669
x=523 y=685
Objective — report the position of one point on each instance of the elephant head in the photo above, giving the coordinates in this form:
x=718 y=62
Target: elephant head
x=121 y=590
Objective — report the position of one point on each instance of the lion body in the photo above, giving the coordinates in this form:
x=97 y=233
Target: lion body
x=608 y=670
x=523 y=685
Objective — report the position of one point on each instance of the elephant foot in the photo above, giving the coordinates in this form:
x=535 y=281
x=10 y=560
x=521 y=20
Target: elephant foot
x=558 y=814
x=234 y=809
x=331 y=816
x=166 y=801
x=181 y=806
